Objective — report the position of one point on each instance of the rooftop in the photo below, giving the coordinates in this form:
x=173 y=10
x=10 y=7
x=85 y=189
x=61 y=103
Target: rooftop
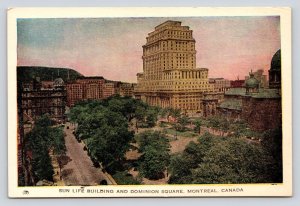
x=169 y=22
x=236 y=91
x=234 y=104
x=267 y=93
x=262 y=93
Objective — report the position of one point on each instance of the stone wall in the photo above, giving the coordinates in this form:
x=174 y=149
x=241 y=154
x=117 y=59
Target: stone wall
x=262 y=113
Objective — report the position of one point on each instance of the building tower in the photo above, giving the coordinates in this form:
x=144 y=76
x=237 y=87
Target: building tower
x=275 y=71
x=170 y=77
x=251 y=84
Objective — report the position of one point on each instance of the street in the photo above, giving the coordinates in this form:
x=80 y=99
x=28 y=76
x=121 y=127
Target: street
x=79 y=170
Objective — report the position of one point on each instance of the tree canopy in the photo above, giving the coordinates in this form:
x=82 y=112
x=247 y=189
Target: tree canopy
x=106 y=124
x=155 y=159
x=218 y=160
x=39 y=141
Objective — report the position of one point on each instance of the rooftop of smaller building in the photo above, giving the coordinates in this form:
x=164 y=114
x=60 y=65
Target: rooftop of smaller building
x=236 y=91
x=267 y=93
x=262 y=93
x=233 y=104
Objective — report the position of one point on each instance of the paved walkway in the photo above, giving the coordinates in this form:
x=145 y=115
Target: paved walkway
x=79 y=170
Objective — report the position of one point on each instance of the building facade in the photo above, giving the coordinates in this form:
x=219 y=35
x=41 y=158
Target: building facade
x=220 y=84
x=108 y=89
x=238 y=83
x=210 y=102
x=84 y=88
x=170 y=77
x=260 y=107
x=38 y=100
x=126 y=89
x=275 y=71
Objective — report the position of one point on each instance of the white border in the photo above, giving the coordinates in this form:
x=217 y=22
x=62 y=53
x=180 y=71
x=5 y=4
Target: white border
x=284 y=189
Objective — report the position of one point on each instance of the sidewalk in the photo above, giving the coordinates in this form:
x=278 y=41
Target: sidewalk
x=56 y=177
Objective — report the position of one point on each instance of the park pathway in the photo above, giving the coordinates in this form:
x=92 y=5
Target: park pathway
x=80 y=169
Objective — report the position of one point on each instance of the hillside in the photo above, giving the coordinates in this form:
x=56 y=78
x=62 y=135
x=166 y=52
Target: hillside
x=26 y=73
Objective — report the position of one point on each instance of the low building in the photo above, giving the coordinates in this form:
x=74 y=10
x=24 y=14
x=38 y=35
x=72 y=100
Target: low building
x=260 y=107
x=210 y=102
x=237 y=83
x=220 y=84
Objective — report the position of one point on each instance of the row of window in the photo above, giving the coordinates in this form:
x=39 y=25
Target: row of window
x=169 y=34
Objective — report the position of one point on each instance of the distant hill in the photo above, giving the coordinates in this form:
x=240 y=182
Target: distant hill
x=26 y=73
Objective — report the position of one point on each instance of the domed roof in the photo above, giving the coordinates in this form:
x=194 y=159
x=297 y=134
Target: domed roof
x=58 y=81
x=252 y=82
x=276 y=61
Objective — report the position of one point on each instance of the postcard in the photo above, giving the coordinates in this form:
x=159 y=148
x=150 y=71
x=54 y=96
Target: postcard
x=149 y=102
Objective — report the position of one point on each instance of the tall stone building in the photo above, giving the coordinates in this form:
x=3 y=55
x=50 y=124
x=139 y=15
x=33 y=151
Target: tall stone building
x=170 y=77
x=37 y=100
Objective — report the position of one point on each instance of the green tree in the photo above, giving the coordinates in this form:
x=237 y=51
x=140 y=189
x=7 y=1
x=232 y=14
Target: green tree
x=181 y=124
x=41 y=164
x=197 y=126
x=111 y=139
x=180 y=169
x=151 y=117
x=233 y=161
x=224 y=125
x=164 y=112
x=59 y=147
x=39 y=141
x=105 y=124
x=175 y=112
x=182 y=164
x=123 y=178
x=140 y=115
x=154 y=162
x=272 y=144
x=155 y=138
x=155 y=159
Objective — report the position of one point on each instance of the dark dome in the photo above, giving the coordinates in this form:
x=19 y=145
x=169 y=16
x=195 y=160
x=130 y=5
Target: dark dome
x=276 y=61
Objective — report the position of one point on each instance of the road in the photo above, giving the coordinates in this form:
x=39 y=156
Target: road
x=79 y=170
